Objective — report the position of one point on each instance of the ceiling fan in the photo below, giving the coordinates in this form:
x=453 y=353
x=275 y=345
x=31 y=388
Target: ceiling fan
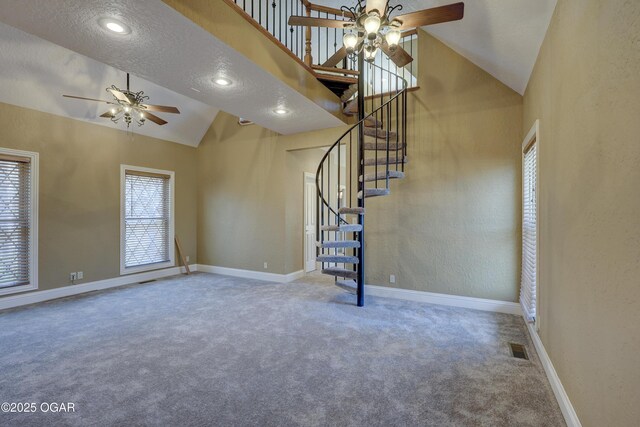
x=371 y=27
x=130 y=106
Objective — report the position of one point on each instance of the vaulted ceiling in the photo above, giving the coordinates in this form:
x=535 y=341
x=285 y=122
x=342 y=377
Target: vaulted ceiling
x=58 y=46
x=55 y=47
x=503 y=37
x=35 y=73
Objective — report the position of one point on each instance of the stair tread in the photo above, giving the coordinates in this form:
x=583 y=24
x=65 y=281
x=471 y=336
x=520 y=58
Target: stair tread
x=327 y=244
x=372 y=122
x=348 y=285
x=368 y=177
x=335 y=69
x=334 y=78
x=382 y=145
x=340 y=272
x=351 y=90
x=351 y=108
x=342 y=227
x=379 y=133
x=383 y=161
x=340 y=259
x=353 y=211
x=374 y=192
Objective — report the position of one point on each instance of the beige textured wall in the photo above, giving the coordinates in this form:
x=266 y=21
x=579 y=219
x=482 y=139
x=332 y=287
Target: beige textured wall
x=242 y=195
x=79 y=218
x=297 y=163
x=584 y=89
x=453 y=224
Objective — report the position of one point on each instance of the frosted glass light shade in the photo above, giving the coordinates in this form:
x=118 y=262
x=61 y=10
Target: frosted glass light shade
x=372 y=24
x=393 y=37
x=350 y=40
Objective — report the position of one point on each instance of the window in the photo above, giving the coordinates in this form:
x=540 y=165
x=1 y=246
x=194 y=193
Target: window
x=529 y=225
x=146 y=223
x=18 y=221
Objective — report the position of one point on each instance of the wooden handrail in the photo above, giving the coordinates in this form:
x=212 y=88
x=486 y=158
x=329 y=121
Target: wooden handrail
x=324 y=9
x=389 y=94
x=409 y=33
x=335 y=70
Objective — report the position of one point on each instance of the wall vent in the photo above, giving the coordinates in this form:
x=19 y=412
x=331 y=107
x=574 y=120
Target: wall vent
x=519 y=351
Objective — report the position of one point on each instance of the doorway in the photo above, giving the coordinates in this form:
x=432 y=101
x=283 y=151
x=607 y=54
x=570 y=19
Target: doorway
x=310 y=200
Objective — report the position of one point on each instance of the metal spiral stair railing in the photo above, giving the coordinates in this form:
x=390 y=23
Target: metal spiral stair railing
x=382 y=132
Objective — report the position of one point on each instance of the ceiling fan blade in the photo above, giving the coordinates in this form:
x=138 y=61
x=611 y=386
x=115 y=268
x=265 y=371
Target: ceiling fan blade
x=436 y=15
x=318 y=22
x=121 y=96
x=161 y=108
x=379 y=5
x=87 y=99
x=399 y=56
x=155 y=119
x=336 y=58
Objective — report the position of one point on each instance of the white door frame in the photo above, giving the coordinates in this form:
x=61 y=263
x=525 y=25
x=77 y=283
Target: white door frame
x=307 y=176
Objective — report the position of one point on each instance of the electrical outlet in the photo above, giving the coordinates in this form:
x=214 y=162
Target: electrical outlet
x=266 y=265
x=80 y=275
x=392 y=278
x=73 y=277
x=187 y=258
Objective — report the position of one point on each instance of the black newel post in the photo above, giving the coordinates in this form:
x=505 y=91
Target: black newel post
x=361 y=183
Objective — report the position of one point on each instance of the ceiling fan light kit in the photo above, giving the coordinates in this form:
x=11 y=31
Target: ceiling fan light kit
x=372 y=26
x=130 y=107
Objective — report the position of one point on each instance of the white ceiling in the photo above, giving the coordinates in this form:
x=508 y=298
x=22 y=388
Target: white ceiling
x=167 y=49
x=503 y=37
x=34 y=73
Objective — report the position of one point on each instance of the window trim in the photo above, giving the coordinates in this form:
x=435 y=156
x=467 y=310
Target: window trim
x=33 y=235
x=533 y=137
x=147 y=267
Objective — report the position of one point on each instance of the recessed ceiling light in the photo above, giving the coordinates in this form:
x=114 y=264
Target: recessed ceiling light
x=280 y=111
x=221 y=81
x=114 y=26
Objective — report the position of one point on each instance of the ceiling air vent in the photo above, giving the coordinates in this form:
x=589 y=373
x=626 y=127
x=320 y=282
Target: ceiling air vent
x=519 y=351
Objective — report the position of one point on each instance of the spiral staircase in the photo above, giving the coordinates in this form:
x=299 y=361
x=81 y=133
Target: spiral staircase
x=376 y=152
x=372 y=153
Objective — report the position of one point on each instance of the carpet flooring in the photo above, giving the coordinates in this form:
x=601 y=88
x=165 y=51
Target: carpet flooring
x=206 y=349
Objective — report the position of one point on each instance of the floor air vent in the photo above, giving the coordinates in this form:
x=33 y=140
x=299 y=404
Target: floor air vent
x=519 y=351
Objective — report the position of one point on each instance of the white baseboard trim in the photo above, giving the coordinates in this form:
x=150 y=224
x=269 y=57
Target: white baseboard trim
x=444 y=299
x=570 y=416
x=251 y=274
x=65 y=291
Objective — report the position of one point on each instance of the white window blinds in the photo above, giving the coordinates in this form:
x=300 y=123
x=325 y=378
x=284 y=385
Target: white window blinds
x=15 y=221
x=529 y=232
x=147 y=218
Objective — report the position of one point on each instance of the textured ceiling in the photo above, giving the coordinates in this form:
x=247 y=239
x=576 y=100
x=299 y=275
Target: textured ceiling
x=503 y=37
x=169 y=50
x=34 y=73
